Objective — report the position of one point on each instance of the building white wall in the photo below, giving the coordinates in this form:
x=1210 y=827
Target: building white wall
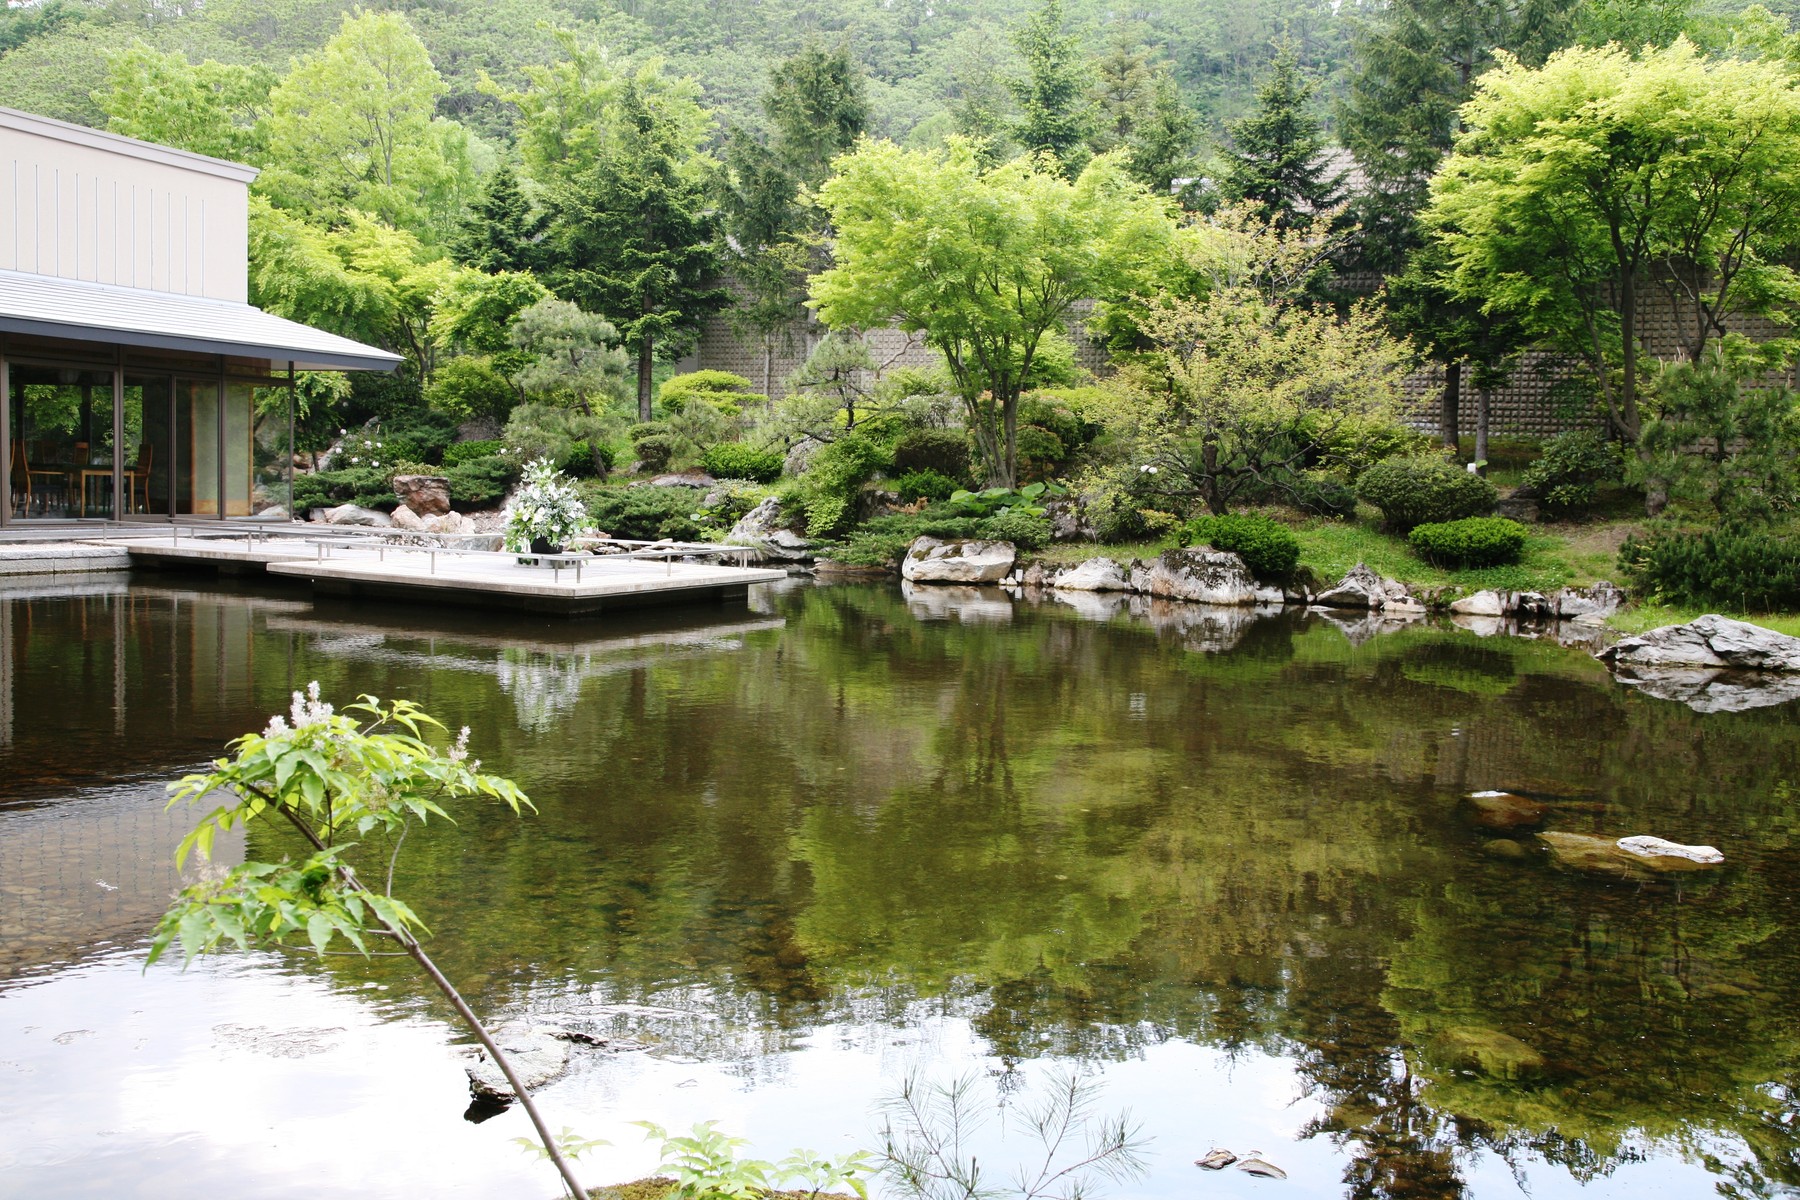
x=76 y=203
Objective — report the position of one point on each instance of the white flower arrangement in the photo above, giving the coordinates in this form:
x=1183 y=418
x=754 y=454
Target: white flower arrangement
x=546 y=507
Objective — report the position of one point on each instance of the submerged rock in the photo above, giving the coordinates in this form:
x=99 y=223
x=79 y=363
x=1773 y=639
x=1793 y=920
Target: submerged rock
x=1202 y=574
x=1492 y=1053
x=1504 y=811
x=931 y=560
x=1708 y=641
x=1608 y=856
x=538 y=1053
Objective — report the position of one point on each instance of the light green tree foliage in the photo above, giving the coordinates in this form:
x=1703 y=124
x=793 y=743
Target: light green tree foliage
x=352 y=785
x=363 y=279
x=472 y=318
x=1056 y=112
x=982 y=263
x=1416 y=64
x=354 y=125
x=213 y=108
x=1578 y=187
x=1249 y=385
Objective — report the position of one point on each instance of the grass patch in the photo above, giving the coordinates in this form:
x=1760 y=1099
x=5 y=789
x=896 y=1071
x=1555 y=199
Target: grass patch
x=1332 y=548
x=1640 y=617
x=1067 y=554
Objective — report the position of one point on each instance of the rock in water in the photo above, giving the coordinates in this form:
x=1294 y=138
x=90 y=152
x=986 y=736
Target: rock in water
x=1607 y=856
x=538 y=1053
x=1503 y=811
x=1486 y=603
x=1709 y=689
x=930 y=560
x=1708 y=641
x=1203 y=575
x=1216 y=1160
x=1645 y=846
x=1495 y=1054
x=1094 y=575
x=426 y=495
x=1363 y=588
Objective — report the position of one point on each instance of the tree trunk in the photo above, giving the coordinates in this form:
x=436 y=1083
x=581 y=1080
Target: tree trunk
x=1483 y=394
x=1209 y=462
x=1009 y=420
x=1628 y=416
x=768 y=366
x=1448 y=406
x=643 y=380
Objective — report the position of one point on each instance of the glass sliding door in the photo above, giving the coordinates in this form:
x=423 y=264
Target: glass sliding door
x=150 y=475
x=237 y=450
x=214 y=432
x=62 y=434
x=274 y=449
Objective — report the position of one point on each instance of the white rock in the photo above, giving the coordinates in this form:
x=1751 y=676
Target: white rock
x=350 y=514
x=1654 y=847
x=1094 y=575
x=405 y=518
x=1708 y=641
x=1203 y=575
x=1362 y=588
x=1592 y=605
x=930 y=560
x=1485 y=603
x=538 y=1053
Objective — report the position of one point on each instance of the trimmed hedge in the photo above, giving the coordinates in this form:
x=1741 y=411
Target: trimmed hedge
x=654 y=450
x=1470 y=542
x=1426 y=489
x=734 y=460
x=1749 y=569
x=925 y=485
x=1268 y=548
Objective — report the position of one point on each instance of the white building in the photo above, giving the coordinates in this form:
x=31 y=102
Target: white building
x=133 y=370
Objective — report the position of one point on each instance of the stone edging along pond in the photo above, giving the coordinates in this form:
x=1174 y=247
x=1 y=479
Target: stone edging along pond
x=1207 y=576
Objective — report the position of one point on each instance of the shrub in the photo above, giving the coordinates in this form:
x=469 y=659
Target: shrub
x=1040 y=451
x=654 y=450
x=1323 y=497
x=1268 y=548
x=1568 y=473
x=646 y=429
x=480 y=482
x=1414 y=491
x=1061 y=412
x=419 y=434
x=646 y=513
x=724 y=391
x=1470 y=542
x=945 y=451
x=925 y=485
x=734 y=460
x=370 y=487
x=586 y=460
x=1026 y=530
x=1749 y=569
x=882 y=541
x=462 y=452
x=835 y=480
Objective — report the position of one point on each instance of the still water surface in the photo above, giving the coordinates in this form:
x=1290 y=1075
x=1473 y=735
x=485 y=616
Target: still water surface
x=786 y=854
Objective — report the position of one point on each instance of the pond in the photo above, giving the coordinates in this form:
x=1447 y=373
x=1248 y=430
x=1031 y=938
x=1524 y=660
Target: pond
x=787 y=854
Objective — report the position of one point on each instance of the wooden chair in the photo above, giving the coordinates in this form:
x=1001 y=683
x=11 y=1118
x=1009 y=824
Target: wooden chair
x=137 y=478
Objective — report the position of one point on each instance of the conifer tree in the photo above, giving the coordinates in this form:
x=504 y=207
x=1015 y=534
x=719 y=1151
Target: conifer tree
x=501 y=231
x=1275 y=155
x=1160 y=149
x=1417 y=61
x=1056 y=112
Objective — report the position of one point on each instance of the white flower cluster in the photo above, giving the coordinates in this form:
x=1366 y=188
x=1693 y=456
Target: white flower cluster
x=546 y=506
x=306 y=710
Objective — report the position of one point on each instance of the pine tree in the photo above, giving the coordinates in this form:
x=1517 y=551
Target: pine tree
x=1122 y=95
x=501 y=231
x=1276 y=154
x=818 y=105
x=1055 y=110
x=1417 y=61
x=1160 y=149
x=634 y=240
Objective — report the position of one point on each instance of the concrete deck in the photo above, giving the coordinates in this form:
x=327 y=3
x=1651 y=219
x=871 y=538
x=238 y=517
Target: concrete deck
x=476 y=580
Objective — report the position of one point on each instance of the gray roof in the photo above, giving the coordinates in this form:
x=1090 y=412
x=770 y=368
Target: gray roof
x=98 y=312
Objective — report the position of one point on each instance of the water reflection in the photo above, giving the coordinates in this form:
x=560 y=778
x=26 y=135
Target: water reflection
x=1220 y=859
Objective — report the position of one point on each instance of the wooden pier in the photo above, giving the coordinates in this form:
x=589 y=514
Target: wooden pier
x=422 y=571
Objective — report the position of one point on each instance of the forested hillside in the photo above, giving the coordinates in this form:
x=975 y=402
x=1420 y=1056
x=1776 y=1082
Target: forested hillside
x=921 y=57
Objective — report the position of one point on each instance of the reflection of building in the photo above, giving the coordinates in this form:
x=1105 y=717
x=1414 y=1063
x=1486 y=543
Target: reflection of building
x=130 y=359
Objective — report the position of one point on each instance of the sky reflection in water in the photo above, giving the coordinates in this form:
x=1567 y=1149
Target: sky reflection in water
x=796 y=851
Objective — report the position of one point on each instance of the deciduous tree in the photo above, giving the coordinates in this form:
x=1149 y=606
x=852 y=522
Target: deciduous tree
x=984 y=264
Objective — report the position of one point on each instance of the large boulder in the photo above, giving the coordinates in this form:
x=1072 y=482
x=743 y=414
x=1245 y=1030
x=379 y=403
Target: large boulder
x=1363 y=588
x=761 y=527
x=351 y=514
x=1591 y=605
x=405 y=518
x=931 y=560
x=426 y=495
x=693 y=479
x=1200 y=574
x=1093 y=575
x=1710 y=690
x=1708 y=641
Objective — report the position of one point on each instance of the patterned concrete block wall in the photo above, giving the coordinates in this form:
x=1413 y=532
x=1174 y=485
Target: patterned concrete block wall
x=1527 y=406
